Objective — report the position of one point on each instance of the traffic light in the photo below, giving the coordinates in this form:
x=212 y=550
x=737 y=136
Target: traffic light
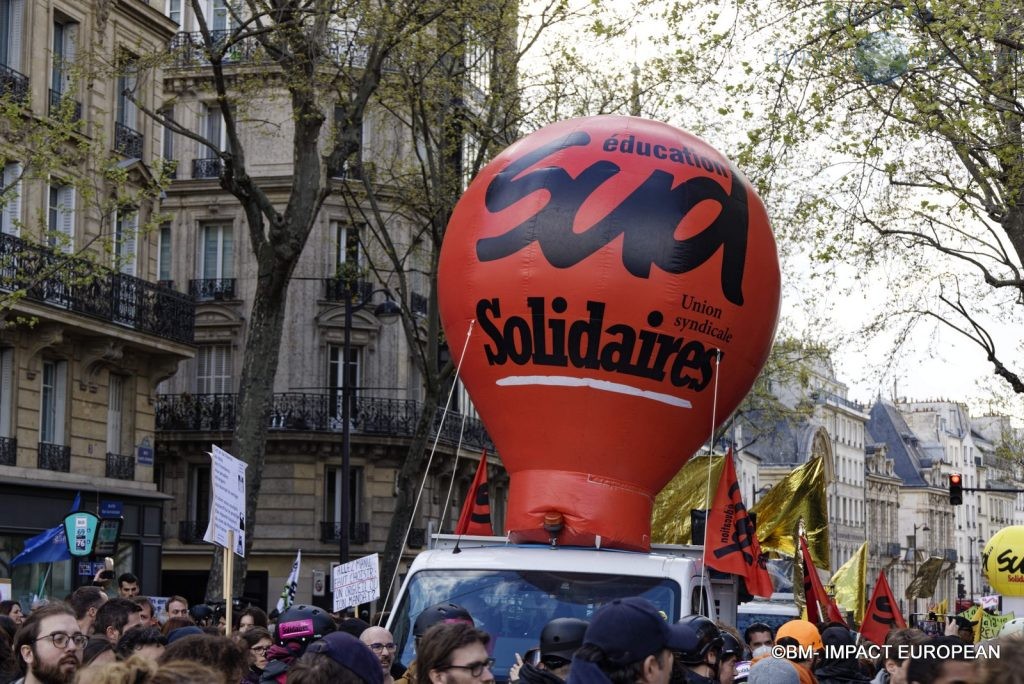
x=956 y=489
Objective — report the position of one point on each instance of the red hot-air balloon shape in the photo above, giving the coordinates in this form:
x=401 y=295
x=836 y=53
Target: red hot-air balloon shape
x=617 y=275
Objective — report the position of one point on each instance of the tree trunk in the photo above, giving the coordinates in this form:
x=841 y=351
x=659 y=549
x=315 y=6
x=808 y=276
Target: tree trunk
x=252 y=413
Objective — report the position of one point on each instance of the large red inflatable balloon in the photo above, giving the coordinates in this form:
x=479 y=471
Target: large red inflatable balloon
x=615 y=275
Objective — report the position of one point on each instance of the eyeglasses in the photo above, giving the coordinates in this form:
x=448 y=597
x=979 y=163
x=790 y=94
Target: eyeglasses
x=61 y=639
x=377 y=648
x=262 y=650
x=474 y=669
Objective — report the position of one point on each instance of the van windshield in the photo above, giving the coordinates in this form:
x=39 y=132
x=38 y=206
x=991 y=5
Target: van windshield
x=513 y=606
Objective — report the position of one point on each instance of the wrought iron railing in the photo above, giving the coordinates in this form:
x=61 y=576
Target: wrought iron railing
x=57 y=100
x=206 y=168
x=191 y=531
x=205 y=289
x=8 y=451
x=359 y=532
x=13 y=84
x=81 y=286
x=822 y=397
x=189 y=48
x=120 y=467
x=336 y=289
x=54 y=457
x=127 y=141
x=317 y=413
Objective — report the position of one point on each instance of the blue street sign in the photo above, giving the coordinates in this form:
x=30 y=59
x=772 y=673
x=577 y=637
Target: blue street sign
x=111 y=509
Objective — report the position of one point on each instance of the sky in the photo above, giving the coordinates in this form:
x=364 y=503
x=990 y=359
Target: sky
x=933 y=363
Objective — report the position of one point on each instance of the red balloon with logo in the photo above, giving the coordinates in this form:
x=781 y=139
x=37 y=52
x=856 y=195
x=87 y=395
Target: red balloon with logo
x=616 y=277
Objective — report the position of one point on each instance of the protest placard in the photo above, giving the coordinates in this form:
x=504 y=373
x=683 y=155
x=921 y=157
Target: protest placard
x=227 y=501
x=356 y=582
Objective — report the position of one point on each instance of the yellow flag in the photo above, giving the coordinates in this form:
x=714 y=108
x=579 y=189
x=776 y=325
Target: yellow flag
x=940 y=609
x=798 y=496
x=851 y=583
x=689 y=489
x=923 y=583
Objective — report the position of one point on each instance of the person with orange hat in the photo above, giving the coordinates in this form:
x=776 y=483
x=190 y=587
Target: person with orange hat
x=805 y=635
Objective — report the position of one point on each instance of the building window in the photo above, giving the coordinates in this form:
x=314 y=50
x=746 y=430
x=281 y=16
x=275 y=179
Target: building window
x=64 y=35
x=199 y=496
x=163 y=253
x=215 y=131
x=115 y=413
x=54 y=396
x=332 y=503
x=213 y=369
x=126 y=224
x=347 y=252
x=61 y=217
x=127 y=83
x=337 y=376
x=11 y=215
x=12 y=13
x=216 y=14
x=173 y=10
x=6 y=390
x=168 y=135
x=217 y=255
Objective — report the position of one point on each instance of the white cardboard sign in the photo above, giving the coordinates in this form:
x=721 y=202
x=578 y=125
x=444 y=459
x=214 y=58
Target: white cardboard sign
x=227 y=500
x=356 y=582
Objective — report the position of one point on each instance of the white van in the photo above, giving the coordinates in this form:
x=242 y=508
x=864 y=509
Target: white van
x=512 y=591
x=774 y=611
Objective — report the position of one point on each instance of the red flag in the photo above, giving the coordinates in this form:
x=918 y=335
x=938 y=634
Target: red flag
x=814 y=591
x=883 y=613
x=476 y=512
x=730 y=544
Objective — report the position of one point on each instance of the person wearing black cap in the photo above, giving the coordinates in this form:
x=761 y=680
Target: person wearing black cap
x=559 y=641
x=965 y=629
x=838 y=663
x=439 y=613
x=628 y=640
x=699 y=649
x=338 y=658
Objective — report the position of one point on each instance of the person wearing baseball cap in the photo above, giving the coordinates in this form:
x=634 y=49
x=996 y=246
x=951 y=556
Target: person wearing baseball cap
x=337 y=657
x=628 y=640
x=801 y=633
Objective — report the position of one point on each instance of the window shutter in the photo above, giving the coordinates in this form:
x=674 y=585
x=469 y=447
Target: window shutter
x=60 y=390
x=114 y=413
x=12 y=206
x=128 y=228
x=66 y=215
x=6 y=390
x=164 y=253
x=227 y=263
x=209 y=252
x=70 y=40
x=223 y=368
x=17 y=28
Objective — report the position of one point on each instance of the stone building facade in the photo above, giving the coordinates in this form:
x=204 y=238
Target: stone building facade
x=90 y=333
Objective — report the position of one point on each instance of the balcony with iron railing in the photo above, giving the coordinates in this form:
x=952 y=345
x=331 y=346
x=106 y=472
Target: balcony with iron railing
x=120 y=467
x=823 y=397
x=128 y=141
x=13 y=84
x=59 y=100
x=210 y=289
x=80 y=286
x=359 y=532
x=337 y=289
x=208 y=167
x=8 y=451
x=55 y=457
x=188 y=49
x=307 y=412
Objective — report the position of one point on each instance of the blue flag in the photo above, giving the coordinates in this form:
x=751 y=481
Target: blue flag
x=49 y=546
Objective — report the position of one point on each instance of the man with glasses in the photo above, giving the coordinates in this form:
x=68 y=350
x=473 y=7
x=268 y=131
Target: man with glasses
x=50 y=644
x=454 y=653
x=383 y=646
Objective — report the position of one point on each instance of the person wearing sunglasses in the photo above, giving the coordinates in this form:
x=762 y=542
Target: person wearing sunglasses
x=454 y=653
x=49 y=643
x=383 y=646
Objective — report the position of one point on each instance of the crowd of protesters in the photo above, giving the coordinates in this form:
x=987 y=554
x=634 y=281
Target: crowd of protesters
x=91 y=638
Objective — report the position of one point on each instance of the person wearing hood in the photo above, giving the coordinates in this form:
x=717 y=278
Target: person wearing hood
x=838 y=664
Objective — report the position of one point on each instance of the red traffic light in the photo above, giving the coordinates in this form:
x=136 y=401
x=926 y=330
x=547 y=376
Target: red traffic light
x=956 y=491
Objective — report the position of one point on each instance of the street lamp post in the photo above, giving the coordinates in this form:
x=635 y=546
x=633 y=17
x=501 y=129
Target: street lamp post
x=387 y=309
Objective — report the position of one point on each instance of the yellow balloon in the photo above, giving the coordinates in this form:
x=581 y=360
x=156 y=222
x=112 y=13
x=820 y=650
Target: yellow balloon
x=1002 y=561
